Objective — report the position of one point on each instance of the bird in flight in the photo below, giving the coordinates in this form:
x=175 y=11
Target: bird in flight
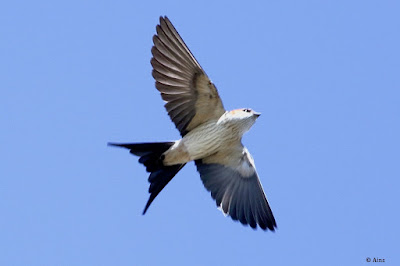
x=211 y=136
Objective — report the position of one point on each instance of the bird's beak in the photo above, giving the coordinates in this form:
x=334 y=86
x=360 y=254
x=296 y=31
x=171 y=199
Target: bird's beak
x=256 y=114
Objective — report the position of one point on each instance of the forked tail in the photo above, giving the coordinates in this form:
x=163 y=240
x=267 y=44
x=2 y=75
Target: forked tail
x=151 y=157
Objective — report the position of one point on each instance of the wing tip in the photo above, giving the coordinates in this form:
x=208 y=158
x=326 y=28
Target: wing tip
x=164 y=19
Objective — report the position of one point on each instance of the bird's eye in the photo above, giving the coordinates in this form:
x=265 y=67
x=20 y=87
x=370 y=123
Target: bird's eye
x=247 y=110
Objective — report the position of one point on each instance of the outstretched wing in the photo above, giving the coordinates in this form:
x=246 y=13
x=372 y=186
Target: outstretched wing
x=191 y=98
x=233 y=181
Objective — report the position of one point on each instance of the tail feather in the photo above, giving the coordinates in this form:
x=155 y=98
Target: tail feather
x=159 y=179
x=151 y=157
x=140 y=149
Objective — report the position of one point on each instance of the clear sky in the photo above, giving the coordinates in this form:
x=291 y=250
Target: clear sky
x=75 y=75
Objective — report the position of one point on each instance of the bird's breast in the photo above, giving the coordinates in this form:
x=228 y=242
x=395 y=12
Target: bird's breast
x=201 y=142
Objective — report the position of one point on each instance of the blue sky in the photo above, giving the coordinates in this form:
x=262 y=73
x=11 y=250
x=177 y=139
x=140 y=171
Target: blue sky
x=75 y=75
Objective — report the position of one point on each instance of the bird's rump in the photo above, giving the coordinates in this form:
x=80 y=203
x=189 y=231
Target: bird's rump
x=211 y=136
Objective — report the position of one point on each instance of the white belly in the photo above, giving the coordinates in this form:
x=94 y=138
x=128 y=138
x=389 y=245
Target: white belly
x=201 y=142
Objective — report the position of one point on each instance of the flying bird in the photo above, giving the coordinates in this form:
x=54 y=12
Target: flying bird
x=211 y=136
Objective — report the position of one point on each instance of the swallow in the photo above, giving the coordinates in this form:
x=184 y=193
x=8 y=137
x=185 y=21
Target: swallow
x=211 y=136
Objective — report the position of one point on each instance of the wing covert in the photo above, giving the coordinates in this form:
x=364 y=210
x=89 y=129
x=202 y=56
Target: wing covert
x=234 y=184
x=191 y=98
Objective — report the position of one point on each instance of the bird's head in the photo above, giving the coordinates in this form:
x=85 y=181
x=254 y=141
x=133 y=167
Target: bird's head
x=243 y=118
